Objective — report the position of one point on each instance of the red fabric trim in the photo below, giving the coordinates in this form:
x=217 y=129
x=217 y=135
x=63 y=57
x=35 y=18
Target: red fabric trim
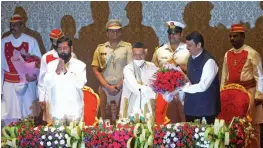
x=50 y=58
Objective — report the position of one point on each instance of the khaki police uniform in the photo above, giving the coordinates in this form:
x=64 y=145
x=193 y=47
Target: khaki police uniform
x=111 y=61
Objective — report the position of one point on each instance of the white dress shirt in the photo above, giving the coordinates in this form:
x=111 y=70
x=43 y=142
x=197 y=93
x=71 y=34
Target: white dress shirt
x=209 y=73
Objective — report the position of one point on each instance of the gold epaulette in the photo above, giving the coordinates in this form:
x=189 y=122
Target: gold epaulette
x=101 y=44
x=126 y=43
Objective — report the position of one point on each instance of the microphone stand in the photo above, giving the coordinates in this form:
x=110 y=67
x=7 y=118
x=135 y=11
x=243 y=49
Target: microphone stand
x=140 y=103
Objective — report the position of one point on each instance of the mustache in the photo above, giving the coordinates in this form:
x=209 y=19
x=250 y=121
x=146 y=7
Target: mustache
x=12 y=29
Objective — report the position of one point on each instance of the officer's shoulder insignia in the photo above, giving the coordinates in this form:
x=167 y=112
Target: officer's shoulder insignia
x=127 y=43
x=158 y=47
x=101 y=44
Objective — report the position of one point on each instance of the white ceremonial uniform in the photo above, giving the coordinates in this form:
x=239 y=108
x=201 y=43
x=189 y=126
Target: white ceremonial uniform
x=66 y=95
x=165 y=53
x=137 y=81
x=14 y=105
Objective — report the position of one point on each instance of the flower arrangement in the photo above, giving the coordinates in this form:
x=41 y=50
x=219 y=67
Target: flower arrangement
x=12 y=132
x=241 y=132
x=29 y=136
x=23 y=134
x=168 y=81
x=53 y=137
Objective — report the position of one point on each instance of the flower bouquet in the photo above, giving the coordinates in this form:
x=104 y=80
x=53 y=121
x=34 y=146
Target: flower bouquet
x=25 y=64
x=240 y=132
x=168 y=81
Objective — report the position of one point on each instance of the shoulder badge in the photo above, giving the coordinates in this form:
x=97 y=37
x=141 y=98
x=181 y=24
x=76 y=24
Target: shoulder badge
x=158 y=47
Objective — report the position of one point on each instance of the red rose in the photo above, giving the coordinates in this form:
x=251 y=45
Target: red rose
x=240 y=142
x=180 y=134
x=36 y=132
x=35 y=139
x=155 y=142
x=32 y=143
x=19 y=137
x=160 y=141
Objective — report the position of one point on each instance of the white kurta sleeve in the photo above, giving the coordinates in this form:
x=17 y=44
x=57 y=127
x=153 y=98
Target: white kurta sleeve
x=131 y=82
x=78 y=78
x=40 y=85
x=51 y=77
x=209 y=73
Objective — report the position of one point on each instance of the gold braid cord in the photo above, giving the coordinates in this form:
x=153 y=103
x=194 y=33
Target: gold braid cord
x=238 y=87
x=86 y=88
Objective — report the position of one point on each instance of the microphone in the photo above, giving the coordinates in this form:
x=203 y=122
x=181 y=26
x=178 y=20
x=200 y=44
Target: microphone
x=140 y=102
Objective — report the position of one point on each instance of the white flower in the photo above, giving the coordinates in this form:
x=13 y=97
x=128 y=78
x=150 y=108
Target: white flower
x=196 y=136
x=53 y=129
x=41 y=143
x=56 y=142
x=177 y=124
x=43 y=136
x=202 y=139
x=168 y=140
x=196 y=130
x=50 y=137
x=172 y=145
x=175 y=139
x=203 y=129
x=198 y=143
x=164 y=141
x=59 y=137
x=201 y=134
x=46 y=129
x=173 y=134
x=165 y=137
x=168 y=133
x=62 y=142
x=56 y=135
x=205 y=142
x=36 y=128
x=61 y=128
x=48 y=143
x=66 y=135
x=169 y=126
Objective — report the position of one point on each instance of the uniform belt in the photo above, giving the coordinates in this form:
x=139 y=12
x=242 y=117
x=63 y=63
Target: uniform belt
x=247 y=84
x=11 y=77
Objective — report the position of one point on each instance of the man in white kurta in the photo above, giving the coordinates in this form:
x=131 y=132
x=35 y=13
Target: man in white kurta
x=137 y=95
x=51 y=55
x=14 y=104
x=65 y=77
